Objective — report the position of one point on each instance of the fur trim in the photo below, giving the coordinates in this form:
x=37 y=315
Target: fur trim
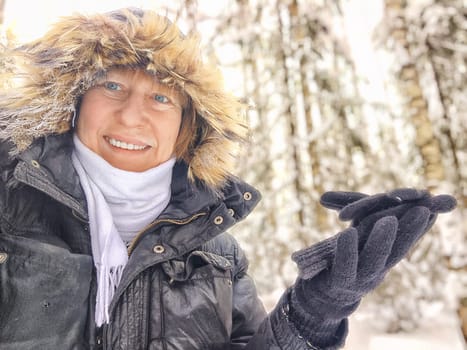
x=44 y=81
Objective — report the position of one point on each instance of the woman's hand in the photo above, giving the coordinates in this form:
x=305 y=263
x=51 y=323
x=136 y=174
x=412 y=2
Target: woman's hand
x=355 y=206
x=353 y=272
x=364 y=211
x=336 y=273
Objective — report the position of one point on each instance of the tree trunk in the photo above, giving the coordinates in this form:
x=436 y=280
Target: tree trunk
x=416 y=104
x=463 y=316
x=289 y=111
x=2 y=9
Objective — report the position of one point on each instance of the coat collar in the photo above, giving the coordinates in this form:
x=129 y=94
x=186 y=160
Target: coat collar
x=46 y=165
x=195 y=215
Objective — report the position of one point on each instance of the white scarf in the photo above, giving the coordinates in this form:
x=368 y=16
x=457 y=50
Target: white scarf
x=120 y=204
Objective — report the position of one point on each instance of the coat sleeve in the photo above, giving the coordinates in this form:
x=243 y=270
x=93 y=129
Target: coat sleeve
x=252 y=327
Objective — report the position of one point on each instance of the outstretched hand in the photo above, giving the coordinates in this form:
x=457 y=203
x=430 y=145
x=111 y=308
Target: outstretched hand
x=355 y=206
x=364 y=211
x=354 y=271
x=336 y=273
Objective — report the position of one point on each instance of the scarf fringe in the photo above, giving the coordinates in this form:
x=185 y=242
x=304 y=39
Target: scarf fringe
x=109 y=279
x=109 y=217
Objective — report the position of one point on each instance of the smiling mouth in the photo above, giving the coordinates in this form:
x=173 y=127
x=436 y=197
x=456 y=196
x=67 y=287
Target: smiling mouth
x=125 y=145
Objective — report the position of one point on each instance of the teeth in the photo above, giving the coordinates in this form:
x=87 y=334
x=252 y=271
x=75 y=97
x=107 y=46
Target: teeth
x=124 y=145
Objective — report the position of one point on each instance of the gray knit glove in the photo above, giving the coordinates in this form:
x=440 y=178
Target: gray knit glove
x=364 y=211
x=336 y=273
x=355 y=206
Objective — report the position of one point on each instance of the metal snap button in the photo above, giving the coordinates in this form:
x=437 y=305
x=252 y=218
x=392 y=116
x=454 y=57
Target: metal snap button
x=231 y=212
x=247 y=196
x=218 y=220
x=158 y=249
x=35 y=164
x=3 y=257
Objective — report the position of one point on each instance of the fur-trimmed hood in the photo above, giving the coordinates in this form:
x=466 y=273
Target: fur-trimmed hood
x=44 y=80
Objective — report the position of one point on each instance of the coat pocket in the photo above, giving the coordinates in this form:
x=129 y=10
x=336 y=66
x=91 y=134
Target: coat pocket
x=44 y=291
x=197 y=302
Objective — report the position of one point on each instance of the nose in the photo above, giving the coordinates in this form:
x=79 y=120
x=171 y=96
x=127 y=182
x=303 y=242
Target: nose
x=131 y=113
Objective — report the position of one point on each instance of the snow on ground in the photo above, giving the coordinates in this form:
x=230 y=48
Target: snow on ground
x=440 y=333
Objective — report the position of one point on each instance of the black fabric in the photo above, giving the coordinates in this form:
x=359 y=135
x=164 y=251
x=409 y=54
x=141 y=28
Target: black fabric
x=195 y=293
x=43 y=288
x=356 y=206
x=336 y=273
x=333 y=294
x=364 y=211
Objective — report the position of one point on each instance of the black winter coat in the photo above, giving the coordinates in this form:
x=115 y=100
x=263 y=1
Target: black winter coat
x=185 y=286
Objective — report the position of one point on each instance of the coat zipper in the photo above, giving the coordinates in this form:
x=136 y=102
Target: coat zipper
x=133 y=245
x=139 y=235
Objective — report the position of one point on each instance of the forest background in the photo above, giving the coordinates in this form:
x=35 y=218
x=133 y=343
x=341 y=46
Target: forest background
x=361 y=95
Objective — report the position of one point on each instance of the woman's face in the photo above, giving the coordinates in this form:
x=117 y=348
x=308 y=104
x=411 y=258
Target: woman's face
x=130 y=120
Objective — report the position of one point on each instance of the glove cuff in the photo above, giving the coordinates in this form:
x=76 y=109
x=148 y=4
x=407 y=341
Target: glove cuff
x=314 y=259
x=287 y=333
x=322 y=332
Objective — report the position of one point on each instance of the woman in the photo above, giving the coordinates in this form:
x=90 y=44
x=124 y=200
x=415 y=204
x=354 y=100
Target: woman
x=117 y=191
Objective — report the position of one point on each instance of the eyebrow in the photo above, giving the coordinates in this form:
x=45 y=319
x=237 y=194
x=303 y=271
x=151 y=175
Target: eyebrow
x=172 y=92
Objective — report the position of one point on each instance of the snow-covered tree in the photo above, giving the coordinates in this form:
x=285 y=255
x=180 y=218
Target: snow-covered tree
x=428 y=76
x=312 y=130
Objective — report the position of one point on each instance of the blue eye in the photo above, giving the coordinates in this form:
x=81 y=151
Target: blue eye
x=161 y=98
x=110 y=85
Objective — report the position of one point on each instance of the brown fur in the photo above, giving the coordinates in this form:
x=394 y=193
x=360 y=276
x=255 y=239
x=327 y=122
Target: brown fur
x=44 y=80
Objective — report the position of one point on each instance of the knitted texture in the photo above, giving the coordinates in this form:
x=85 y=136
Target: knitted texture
x=356 y=206
x=384 y=228
x=363 y=211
